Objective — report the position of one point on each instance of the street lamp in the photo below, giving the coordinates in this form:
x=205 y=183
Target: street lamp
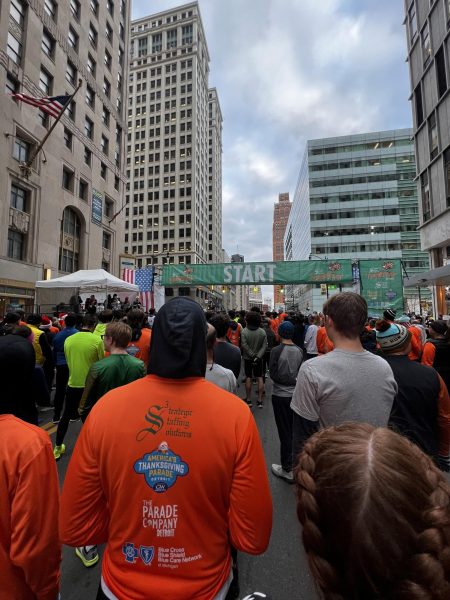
x=320 y=258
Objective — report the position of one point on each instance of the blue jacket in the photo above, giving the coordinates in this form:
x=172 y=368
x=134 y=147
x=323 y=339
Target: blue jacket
x=58 y=344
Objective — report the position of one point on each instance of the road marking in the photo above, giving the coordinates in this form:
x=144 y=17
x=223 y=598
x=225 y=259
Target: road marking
x=47 y=426
x=52 y=429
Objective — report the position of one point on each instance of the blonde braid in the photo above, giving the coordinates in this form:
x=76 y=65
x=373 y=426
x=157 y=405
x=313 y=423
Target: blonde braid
x=430 y=565
x=323 y=571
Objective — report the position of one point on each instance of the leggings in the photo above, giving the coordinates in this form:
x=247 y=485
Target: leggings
x=72 y=400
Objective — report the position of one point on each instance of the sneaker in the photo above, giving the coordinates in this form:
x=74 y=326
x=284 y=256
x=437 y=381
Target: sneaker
x=75 y=420
x=88 y=555
x=58 y=451
x=280 y=472
x=249 y=403
x=45 y=408
x=56 y=419
x=260 y=404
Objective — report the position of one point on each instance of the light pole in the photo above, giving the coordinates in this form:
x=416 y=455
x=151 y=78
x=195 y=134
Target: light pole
x=320 y=258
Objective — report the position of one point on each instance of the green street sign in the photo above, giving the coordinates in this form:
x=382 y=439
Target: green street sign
x=259 y=273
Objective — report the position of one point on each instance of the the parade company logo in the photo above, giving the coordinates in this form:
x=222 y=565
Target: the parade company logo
x=161 y=468
x=388 y=266
x=335 y=267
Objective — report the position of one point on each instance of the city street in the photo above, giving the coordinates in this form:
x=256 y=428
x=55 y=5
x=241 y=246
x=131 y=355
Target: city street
x=281 y=572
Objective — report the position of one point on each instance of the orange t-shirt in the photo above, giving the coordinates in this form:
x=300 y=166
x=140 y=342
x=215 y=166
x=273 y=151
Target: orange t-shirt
x=428 y=354
x=30 y=551
x=143 y=345
x=324 y=344
x=416 y=343
x=166 y=472
x=234 y=335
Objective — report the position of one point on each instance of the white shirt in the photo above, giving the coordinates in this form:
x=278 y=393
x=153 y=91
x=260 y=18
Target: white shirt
x=311 y=340
x=223 y=378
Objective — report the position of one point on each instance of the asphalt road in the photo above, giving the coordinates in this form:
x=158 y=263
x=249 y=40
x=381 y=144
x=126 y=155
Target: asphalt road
x=281 y=572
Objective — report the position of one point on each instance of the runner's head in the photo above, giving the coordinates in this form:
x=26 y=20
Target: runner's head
x=178 y=343
x=346 y=315
x=221 y=324
x=117 y=335
x=89 y=322
x=105 y=316
x=393 y=338
x=70 y=320
x=439 y=329
x=375 y=513
x=34 y=319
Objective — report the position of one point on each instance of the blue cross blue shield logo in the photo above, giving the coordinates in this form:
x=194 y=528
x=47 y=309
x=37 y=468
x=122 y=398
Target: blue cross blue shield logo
x=147 y=553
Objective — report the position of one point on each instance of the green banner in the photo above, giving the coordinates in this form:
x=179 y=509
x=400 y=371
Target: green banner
x=261 y=273
x=381 y=285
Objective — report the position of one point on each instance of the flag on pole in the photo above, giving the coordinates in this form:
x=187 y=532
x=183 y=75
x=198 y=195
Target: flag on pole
x=53 y=105
x=144 y=279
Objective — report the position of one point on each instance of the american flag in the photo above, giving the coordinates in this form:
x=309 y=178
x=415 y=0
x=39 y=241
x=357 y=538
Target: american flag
x=53 y=105
x=144 y=279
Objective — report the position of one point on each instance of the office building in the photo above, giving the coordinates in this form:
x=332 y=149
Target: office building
x=255 y=297
x=242 y=291
x=174 y=150
x=359 y=198
x=281 y=210
x=428 y=60
x=60 y=216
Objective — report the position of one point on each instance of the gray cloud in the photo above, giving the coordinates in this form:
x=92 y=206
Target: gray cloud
x=288 y=71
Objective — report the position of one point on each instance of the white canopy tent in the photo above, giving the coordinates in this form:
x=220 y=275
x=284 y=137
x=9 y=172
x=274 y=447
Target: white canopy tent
x=83 y=283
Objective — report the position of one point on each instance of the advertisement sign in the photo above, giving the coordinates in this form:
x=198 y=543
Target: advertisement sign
x=97 y=207
x=265 y=273
x=382 y=285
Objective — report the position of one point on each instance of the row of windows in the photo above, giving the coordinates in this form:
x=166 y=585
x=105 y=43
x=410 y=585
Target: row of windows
x=166 y=207
x=356 y=248
x=334 y=181
x=338 y=149
x=428 y=207
x=159 y=22
x=375 y=195
x=370 y=162
x=368 y=230
x=353 y=214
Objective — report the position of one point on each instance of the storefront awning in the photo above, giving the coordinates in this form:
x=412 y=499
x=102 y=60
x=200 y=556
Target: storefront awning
x=439 y=276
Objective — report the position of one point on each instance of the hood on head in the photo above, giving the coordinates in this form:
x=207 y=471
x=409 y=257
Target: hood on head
x=178 y=343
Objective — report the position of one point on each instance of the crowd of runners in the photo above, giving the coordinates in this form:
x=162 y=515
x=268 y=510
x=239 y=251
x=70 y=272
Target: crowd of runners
x=168 y=470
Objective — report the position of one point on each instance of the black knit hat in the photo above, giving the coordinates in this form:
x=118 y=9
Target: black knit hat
x=389 y=314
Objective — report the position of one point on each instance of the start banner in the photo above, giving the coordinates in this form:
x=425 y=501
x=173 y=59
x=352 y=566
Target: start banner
x=260 y=273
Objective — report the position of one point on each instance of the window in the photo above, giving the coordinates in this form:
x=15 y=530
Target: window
x=142 y=46
x=156 y=42
x=16 y=245
x=433 y=136
x=12 y=85
x=73 y=39
x=51 y=8
x=419 y=105
x=446 y=158
x=109 y=33
x=109 y=207
x=88 y=128
x=91 y=65
x=68 y=138
x=426 y=44
x=93 y=36
x=426 y=200
x=14 y=49
x=19 y=198
x=171 y=38
x=17 y=11
x=106 y=240
x=104 y=144
x=412 y=18
x=105 y=116
x=48 y=44
x=103 y=170
x=83 y=187
x=106 y=88
x=45 y=82
x=70 y=110
x=441 y=74
x=94 y=7
x=71 y=73
x=90 y=97
x=87 y=157
x=21 y=149
x=68 y=255
x=75 y=9
x=108 y=60
x=186 y=34
x=110 y=7
x=67 y=179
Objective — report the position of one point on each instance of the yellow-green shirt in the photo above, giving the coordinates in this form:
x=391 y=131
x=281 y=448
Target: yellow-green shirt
x=82 y=350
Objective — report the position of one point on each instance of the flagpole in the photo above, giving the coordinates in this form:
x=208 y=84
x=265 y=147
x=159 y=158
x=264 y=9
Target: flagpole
x=38 y=148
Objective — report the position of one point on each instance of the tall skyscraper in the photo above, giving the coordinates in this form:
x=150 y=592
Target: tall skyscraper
x=359 y=199
x=242 y=291
x=281 y=211
x=60 y=217
x=428 y=60
x=174 y=150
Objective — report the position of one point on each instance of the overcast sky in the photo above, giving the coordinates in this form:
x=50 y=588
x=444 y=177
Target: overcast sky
x=288 y=71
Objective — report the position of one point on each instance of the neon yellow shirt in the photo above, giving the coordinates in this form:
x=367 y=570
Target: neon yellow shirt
x=82 y=350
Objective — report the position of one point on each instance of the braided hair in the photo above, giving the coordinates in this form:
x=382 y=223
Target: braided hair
x=376 y=516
